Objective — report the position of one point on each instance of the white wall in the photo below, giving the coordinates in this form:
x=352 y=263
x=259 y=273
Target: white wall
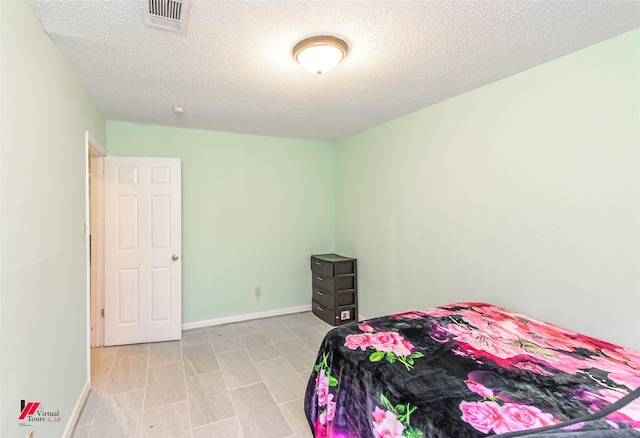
x=523 y=193
x=44 y=112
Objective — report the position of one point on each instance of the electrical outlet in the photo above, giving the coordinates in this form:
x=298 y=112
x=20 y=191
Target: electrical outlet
x=257 y=290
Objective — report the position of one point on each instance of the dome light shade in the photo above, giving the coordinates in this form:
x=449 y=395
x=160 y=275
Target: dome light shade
x=320 y=54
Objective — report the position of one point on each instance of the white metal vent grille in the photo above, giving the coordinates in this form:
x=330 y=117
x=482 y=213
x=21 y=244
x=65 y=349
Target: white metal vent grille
x=167 y=14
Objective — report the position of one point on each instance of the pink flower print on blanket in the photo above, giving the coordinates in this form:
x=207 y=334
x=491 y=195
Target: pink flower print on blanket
x=511 y=417
x=366 y=328
x=326 y=406
x=522 y=417
x=394 y=421
x=386 y=425
x=362 y=341
x=479 y=388
x=495 y=413
x=482 y=416
x=503 y=344
x=622 y=364
x=384 y=345
x=322 y=388
x=629 y=413
x=391 y=341
x=327 y=415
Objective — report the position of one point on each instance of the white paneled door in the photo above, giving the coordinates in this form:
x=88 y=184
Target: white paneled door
x=143 y=260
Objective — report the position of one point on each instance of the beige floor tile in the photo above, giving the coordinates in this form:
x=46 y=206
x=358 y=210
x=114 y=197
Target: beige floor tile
x=165 y=385
x=101 y=361
x=259 y=347
x=224 y=339
x=238 y=369
x=98 y=385
x=258 y=413
x=170 y=421
x=297 y=319
x=199 y=359
x=228 y=428
x=162 y=353
x=119 y=416
x=309 y=318
x=90 y=409
x=195 y=337
x=305 y=376
x=175 y=397
x=82 y=432
x=209 y=400
x=293 y=412
x=275 y=329
x=281 y=379
x=127 y=375
x=300 y=356
x=311 y=335
x=246 y=328
x=125 y=351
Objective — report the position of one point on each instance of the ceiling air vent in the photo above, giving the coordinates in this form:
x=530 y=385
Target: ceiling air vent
x=167 y=14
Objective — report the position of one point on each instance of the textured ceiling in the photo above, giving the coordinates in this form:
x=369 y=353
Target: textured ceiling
x=233 y=70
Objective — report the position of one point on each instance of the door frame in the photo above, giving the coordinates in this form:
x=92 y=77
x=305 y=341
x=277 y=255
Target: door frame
x=94 y=248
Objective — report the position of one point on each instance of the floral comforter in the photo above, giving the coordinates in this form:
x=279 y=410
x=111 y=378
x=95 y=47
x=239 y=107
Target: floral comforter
x=470 y=370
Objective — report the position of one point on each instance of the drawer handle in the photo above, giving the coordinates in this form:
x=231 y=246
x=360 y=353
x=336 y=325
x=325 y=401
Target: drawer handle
x=318 y=263
x=320 y=278
x=320 y=308
x=319 y=293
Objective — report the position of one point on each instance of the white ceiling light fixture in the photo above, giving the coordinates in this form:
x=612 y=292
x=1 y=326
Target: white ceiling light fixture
x=320 y=54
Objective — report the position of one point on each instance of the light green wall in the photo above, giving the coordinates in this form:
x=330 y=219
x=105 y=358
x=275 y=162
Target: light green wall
x=253 y=210
x=44 y=112
x=523 y=193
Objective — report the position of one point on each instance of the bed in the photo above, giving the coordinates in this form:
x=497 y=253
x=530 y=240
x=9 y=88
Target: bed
x=470 y=370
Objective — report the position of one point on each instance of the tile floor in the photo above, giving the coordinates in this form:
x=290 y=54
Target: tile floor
x=241 y=380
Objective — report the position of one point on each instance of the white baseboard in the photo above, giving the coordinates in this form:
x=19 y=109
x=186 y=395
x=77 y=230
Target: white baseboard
x=245 y=317
x=77 y=411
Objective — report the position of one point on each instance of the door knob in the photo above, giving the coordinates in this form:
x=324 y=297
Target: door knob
x=174 y=257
